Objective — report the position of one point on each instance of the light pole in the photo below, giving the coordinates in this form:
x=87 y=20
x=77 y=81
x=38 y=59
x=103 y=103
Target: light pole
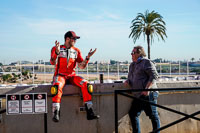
x=20 y=71
x=97 y=71
x=118 y=70
x=108 y=69
x=33 y=72
x=44 y=73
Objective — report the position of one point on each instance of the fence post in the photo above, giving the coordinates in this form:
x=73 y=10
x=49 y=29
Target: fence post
x=45 y=122
x=116 y=112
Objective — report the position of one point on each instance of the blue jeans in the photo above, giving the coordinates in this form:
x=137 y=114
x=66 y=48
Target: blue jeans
x=151 y=111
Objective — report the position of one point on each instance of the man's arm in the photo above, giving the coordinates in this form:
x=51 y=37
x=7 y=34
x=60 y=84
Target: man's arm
x=84 y=63
x=55 y=52
x=53 y=56
x=151 y=71
x=127 y=82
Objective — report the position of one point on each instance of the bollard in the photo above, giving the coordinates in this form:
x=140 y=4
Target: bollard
x=101 y=77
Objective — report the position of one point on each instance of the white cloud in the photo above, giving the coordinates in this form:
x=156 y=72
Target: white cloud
x=47 y=26
x=88 y=28
x=107 y=16
x=73 y=10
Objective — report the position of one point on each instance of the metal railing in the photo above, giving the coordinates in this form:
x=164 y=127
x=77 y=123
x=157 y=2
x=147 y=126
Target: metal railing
x=124 y=93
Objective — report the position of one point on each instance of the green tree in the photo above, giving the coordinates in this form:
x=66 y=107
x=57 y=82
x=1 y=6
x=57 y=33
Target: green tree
x=113 y=62
x=25 y=73
x=19 y=76
x=14 y=77
x=192 y=59
x=150 y=24
x=158 y=60
x=6 y=77
x=30 y=75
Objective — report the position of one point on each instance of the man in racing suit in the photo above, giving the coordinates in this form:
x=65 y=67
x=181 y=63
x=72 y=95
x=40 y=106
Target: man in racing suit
x=65 y=57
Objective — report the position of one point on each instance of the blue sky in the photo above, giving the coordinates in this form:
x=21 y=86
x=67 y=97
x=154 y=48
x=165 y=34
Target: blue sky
x=29 y=28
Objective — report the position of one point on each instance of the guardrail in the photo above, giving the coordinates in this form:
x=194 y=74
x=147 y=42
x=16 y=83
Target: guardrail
x=124 y=93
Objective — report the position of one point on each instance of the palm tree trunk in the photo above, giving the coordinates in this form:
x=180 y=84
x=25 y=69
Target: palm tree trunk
x=148 y=44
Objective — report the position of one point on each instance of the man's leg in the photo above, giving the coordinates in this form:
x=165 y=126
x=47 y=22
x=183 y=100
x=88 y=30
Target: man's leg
x=134 y=114
x=87 y=98
x=152 y=112
x=58 y=83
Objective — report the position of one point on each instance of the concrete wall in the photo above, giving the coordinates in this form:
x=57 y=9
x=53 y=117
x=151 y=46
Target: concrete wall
x=74 y=121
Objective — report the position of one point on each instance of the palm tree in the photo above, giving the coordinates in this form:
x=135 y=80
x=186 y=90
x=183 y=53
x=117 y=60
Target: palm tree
x=150 y=24
x=192 y=59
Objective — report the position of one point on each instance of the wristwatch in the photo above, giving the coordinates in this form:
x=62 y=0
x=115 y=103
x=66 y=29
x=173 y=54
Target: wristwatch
x=87 y=58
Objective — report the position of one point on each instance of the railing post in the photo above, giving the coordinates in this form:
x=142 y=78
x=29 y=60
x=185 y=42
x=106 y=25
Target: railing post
x=116 y=112
x=45 y=122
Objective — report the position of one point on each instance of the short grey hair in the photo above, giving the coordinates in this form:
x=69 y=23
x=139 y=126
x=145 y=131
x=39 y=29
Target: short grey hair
x=140 y=50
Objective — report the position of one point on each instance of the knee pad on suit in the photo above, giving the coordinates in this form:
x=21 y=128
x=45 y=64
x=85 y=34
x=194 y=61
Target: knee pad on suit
x=90 y=88
x=54 y=90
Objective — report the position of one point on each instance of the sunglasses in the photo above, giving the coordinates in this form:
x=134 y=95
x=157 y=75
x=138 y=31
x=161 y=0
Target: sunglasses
x=132 y=53
x=73 y=38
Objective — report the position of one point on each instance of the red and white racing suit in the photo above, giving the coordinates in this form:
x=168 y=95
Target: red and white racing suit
x=65 y=70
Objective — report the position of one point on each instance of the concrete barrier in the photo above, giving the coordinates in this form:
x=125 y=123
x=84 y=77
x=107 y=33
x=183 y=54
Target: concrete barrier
x=74 y=121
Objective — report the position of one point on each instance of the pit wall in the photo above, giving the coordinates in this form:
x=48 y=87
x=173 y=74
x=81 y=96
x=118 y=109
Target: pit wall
x=74 y=121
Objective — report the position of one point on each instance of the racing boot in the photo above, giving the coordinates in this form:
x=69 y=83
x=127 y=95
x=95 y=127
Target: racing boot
x=56 y=112
x=90 y=112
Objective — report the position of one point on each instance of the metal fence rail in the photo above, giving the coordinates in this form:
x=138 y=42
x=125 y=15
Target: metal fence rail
x=186 y=116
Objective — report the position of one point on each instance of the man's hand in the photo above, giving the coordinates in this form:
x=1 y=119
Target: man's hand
x=57 y=47
x=126 y=84
x=145 y=93
x=91 y=53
